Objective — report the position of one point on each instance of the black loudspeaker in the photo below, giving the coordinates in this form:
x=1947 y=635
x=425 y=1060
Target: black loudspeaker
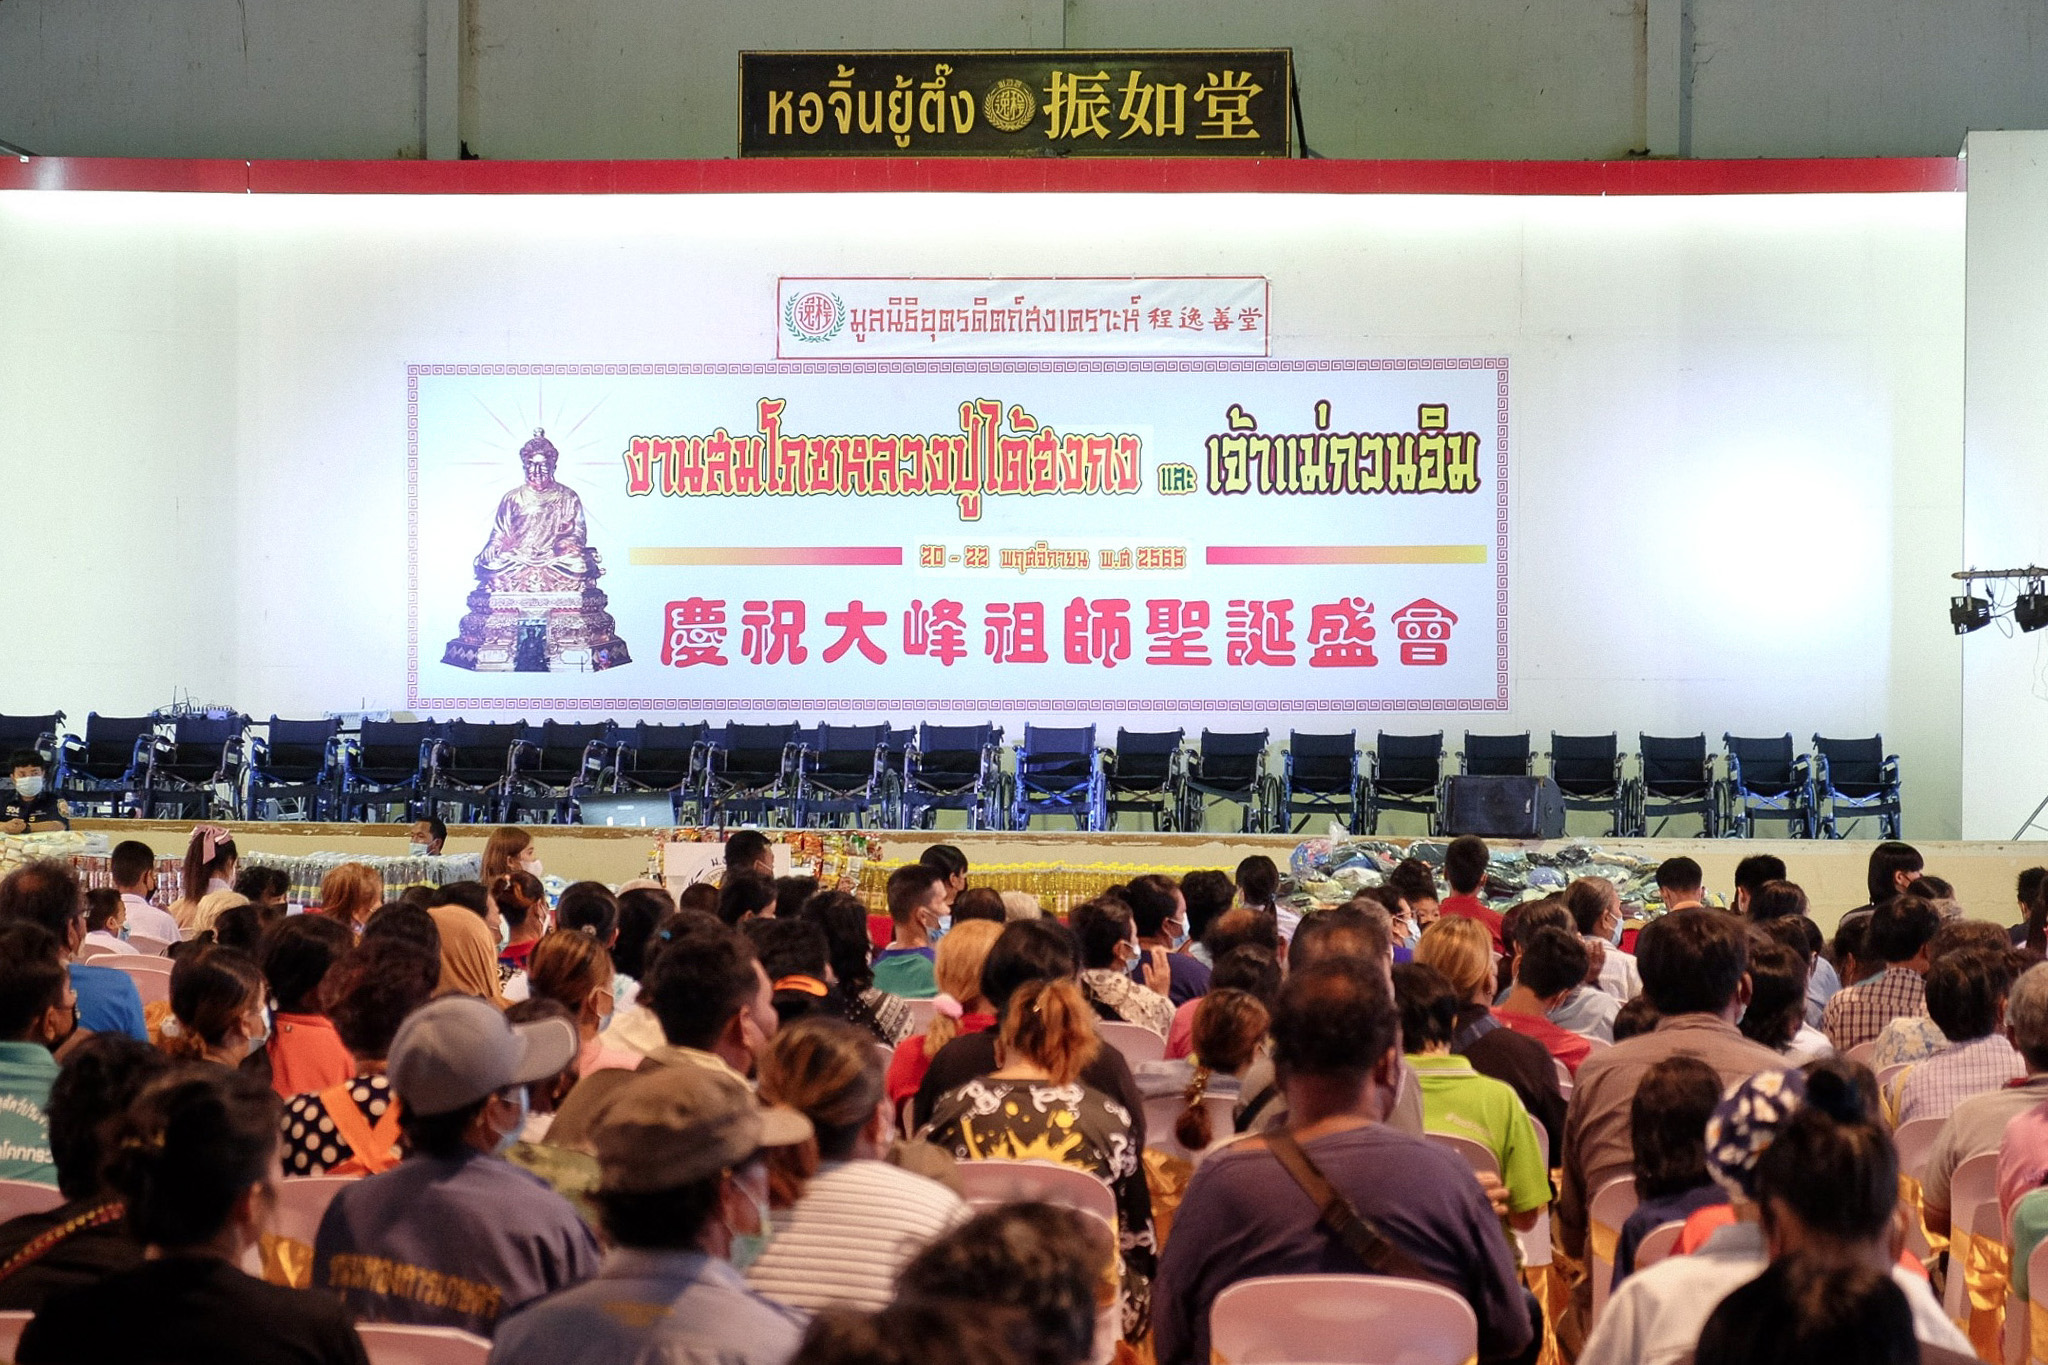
x=1504 y=807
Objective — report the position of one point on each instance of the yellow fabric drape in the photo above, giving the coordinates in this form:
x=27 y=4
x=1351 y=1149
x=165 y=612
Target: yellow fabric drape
x=1910 y=1197
x=1987 y=1267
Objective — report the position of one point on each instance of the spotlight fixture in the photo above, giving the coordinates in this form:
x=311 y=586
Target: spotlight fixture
x=1969 y=613
x=2030 y=610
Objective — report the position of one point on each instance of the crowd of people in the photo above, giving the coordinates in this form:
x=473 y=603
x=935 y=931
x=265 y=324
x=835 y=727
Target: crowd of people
x=732 y=1125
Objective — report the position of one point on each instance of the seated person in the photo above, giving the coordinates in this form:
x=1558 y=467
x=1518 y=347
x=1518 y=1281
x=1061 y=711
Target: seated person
x=31 y=807
x=1806 y=1310
x=1668 y=1125
x=1107 y=933
x=917 y=903
x=1230 y=1031
x=683 y=1192
x=1780 y=966
x=1459 y=1102
x=87 y=1237
x=1335 y=1039
x=455 y=1235
x=1161 y=913
x=132 y=865
x=958 y=1008
x=1250 y=968
x=1552 y=965
x=47 y=893
x=37 y=1014
x=1046 y=1262
x=195 y=1160
x=106 y=921
x=1980 y=1123
x=352 y=1128
x=306 y=1053
x=1966 y=995
x=839 y=1193
x=426 y=837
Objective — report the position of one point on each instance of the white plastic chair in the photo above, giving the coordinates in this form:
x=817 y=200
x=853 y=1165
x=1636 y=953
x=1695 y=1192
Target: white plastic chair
x=18 y=1197
x=1477 y=1155
x=286 y=1254
x=1972 y=1208
x=151 y=975
x=91 y=952
x=1341 y=1320
x=390 y=1344
x=1535 y=1243
x=145 y=946
x=1564 y=1078
x=1135 y=1041
x=1862 y=1052
x=1610 y=1208
x=921 y=1012
x=988 y=1184
x=1914 y=1142
x=12 y=1325
x=1657 y=1243
x=1163 y=1112
x=1891 y=1073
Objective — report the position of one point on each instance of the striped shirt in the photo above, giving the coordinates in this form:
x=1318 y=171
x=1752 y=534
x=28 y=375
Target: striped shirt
x=1859 y=1013
x=1933 y=1088
x=852 y=1229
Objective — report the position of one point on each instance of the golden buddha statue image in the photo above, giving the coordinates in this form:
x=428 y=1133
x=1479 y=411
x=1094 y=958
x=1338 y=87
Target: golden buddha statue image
x=536 y=607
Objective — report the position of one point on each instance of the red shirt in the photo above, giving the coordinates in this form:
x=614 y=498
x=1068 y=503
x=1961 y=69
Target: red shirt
x=1472 y=908
x=1566 y=1046
x=907 y=1068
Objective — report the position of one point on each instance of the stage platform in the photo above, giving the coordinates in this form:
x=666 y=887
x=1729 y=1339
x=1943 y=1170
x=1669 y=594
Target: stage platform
x=1831 y=871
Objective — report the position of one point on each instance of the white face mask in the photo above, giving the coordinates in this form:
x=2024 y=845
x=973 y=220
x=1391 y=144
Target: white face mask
x=28 y=788
x=510 y=1137
x=748 y=1247
x=1615 y=937
x=416 y=849
x=531 y=866
x=262 y=1035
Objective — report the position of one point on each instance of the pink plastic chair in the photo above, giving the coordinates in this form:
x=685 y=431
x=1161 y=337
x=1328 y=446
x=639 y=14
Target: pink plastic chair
x=1477 y=1155
x=391 y=1344
x=1862 y=1052
x=1162 y=1113
x=18 y=1197
x=151 y=975
x=1341 y=1320
x=1914 y=1141
x=12 y=1325
x=1135 y=1041
x=1610 y=1208
x=1564 y=1078
x=988 y=1184
x=145 y=946
x=1535 y=1243
x=1657 y=1243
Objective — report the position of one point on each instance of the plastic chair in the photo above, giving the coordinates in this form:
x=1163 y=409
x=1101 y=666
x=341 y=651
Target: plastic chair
x=1477 y=1155
x=12 y=1325
x=1341 y=1320
x=1862 y=1052
x=1535 y=1243
x=1658 y=1242
x=151 y=975
x=92 y=952
x=1135 y=1041
x=1887 y=1075
x=1767 y=781
x=1856 y=778
x=18 y=1197
x=1972 y=1194
x=1162 y=1112
x=992 y=1183
x=390 y=1344
x=1914 y=1141
x=301 y=1203
x=142 y=945
x=1610 y=1208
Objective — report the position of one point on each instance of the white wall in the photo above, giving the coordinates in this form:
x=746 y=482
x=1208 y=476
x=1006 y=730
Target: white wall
x=2005 y=738
x=1736 y=421
x=599 y=79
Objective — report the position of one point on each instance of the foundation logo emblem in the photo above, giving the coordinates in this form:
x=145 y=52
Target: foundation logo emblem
x=1010 y=105
x=814 y=315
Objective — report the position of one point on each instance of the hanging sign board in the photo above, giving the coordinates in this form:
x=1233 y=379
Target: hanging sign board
x=1066 y=103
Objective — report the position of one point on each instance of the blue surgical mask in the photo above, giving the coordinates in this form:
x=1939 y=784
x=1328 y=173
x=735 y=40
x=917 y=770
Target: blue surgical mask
x=945 y=924
x=748 y=1247
x=507 y=1140
x=1414 y=936
x=1615 y=937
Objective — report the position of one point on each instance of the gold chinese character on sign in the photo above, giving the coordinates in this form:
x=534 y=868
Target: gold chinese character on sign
x=1228 y=96
x=1075 y=105
x=1156 y=110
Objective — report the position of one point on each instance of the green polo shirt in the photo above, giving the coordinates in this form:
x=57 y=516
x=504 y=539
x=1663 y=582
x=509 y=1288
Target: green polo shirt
x=26 y=1072
x=1459 y=1102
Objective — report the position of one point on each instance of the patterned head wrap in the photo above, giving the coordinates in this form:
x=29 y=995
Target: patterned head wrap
x=1749 y=1118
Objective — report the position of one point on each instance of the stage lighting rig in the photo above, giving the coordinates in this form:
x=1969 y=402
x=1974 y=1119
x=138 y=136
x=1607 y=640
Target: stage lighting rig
x=2030 y=609
x=1969 y=613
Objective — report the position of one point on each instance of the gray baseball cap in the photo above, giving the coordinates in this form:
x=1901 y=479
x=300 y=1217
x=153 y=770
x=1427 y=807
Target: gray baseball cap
x=456 y=1050
x=679 y=1124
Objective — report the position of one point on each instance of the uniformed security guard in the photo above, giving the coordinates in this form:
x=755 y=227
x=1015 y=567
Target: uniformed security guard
x=32 y=808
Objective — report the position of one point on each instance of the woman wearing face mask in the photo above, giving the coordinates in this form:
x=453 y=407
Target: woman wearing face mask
x=195 y=1159
x=218 y=1012
x=1595 y=907
x=572 y=968
x=454 y=1212
x=510 y=850
x=1108 y=937
x=1161 y=913
x=468 y=965
x=350 y=894
x=523 y=908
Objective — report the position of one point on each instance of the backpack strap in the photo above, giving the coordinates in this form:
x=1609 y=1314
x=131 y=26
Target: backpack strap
x=373 y=1149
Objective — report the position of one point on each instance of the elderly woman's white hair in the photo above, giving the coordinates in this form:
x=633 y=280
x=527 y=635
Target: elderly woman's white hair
x=1020 y=905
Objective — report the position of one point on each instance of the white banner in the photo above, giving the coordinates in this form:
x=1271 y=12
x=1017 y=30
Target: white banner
x=906 y=318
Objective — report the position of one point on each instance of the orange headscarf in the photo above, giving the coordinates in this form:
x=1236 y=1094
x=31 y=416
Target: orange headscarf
x=469 y=955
